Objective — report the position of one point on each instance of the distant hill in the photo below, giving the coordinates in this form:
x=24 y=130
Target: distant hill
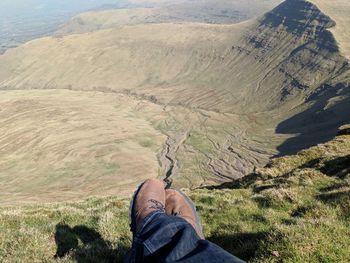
x=22 y=21
x=209 y=102
x=145 y=12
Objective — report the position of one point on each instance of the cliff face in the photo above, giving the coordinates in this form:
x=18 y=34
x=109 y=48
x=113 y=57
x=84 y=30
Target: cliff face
x=310 y=55
x=285 y=57
x=311 y=76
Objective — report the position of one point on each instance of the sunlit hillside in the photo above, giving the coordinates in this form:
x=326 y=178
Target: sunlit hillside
x=198 y=104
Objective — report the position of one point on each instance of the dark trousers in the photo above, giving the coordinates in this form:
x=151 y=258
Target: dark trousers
x=164 y=238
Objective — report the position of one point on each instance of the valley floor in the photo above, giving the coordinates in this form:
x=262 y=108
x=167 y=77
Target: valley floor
x=60 y=145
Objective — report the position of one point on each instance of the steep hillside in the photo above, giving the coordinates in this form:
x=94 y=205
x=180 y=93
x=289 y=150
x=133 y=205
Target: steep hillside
x=295 y=210
x=290 y=52
x=229 y=96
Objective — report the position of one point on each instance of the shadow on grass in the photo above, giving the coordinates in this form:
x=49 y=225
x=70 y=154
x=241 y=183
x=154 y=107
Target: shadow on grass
x=335 y=197
x=236 y=184
x=84 y=244
x=242 y=245
x=339 y=167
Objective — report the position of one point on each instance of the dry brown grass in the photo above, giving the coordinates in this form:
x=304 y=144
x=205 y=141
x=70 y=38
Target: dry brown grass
x=129 y=58
x=64 y=145
x=59 y=145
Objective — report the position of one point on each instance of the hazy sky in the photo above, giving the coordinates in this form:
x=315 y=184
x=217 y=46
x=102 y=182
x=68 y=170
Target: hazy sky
x=9 y=7
x=23 y=20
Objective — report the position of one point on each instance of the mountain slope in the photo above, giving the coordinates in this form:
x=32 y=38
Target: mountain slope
x=290 y=51
x=222 y=91
x=295 y=210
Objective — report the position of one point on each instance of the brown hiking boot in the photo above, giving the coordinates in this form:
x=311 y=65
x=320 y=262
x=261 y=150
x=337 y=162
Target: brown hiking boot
x=178 y=204
x=148 y=198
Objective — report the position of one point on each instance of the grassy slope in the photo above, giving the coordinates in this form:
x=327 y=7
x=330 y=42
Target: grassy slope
x=201 y=66
x=295 y=210
x=62 y=145
x=66 y=145
x=215 y=130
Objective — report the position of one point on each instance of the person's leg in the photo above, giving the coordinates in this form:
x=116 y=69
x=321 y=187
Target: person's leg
x=161 y=237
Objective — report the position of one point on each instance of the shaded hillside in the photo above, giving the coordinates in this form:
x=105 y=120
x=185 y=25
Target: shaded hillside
x=330 y=108
x=225 y=97
x=295 y=210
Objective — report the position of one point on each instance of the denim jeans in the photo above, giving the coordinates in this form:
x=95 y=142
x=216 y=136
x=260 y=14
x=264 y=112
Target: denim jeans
x=165 y=238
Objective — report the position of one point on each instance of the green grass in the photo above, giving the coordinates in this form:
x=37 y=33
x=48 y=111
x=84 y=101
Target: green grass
x=200 y=142
x=94 y=230
x=147 y=143
x=295 y=210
